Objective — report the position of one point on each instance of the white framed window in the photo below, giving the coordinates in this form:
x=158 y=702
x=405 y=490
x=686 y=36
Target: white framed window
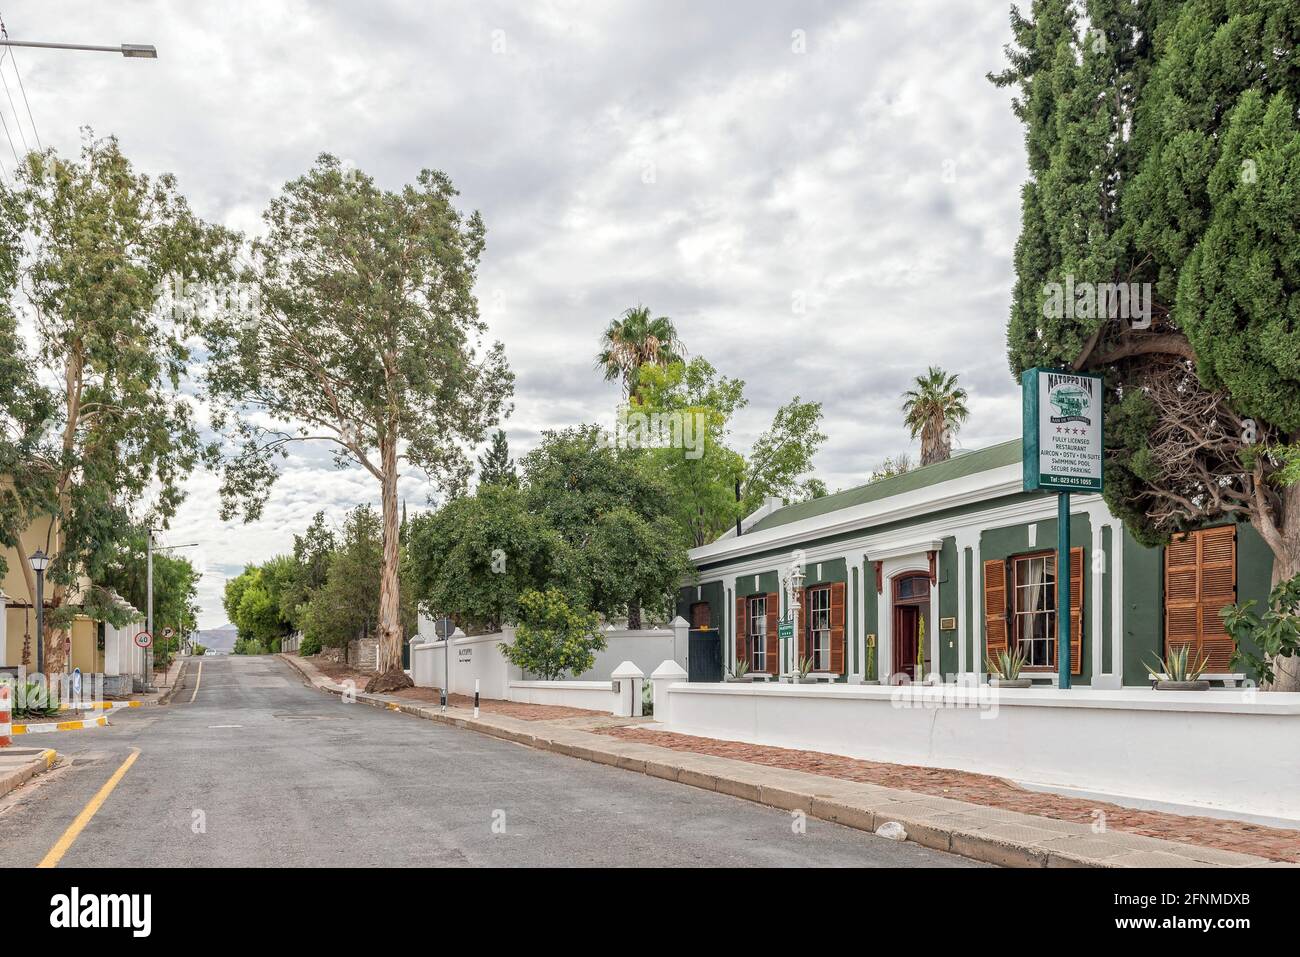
x=819 y=627
x=1034 y=608
x=758 y=632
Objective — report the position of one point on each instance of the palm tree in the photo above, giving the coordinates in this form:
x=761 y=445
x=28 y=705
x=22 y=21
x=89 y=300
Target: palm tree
x=634 y=340
x=935 y=409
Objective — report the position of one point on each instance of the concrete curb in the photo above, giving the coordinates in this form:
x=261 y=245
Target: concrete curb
x=982 y=833
x=166 y=696
x=48 y=727
x=42 y=761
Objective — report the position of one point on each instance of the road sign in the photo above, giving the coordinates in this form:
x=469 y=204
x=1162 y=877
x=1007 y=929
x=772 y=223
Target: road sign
x=168 y=632
x=785 y=630
x=143 y=639
x=1062 y=431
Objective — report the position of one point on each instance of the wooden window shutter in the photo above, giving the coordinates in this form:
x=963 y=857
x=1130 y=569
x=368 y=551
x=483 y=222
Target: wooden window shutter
x=742 y=630
x=1200 y=579
x=773 y=642
x=995 y=607
x=1218 y=590
x=1076 y=611
x=837 y=628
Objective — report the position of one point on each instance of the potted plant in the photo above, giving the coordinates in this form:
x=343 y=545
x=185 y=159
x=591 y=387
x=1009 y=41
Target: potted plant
x=871 y=678
x=739 y=671
x=1004 y=669
x=802 y=671
x=1179 y=671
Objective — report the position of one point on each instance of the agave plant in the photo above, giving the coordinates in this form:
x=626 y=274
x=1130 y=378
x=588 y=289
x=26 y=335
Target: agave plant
x=1006 y=665
x=740 y=669
x=1178 y=665
x=805 y=667
x=35 y=700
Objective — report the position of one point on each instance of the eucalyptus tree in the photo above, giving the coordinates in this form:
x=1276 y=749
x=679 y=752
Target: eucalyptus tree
x=98 y=439
x=367 y=337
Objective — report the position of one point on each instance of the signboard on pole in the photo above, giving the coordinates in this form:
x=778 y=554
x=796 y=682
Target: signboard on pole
x=1062 y=431
x=785 y=630
x=143 y=639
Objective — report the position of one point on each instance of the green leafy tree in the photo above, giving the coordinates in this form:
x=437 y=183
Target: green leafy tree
x=702 y=478
x=312 y=552
x=495 y=466
x=175 y=583
x=367 y=337
x=108 y=445
x=635 y=341
x=934 y=408
x=892 y=466
x=553 y=637
x=348 y=605
x=251 y=603
x=1164 y=149
x=472 y=558
x=1275 y=633
x=573 y=480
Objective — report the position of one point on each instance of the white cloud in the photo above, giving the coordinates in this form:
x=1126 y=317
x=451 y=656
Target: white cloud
x=874 y=179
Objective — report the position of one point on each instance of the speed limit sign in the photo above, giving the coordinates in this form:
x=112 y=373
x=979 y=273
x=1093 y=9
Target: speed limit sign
x=144 y=639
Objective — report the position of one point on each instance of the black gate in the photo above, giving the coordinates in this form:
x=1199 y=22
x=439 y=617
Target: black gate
x=704 y=655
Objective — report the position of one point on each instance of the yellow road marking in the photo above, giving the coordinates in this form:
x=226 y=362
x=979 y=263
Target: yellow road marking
x=198 y=678
x=92 y=806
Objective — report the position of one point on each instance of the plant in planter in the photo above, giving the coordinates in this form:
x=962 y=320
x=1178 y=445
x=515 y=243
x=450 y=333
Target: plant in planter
x=739 y=670
x=36 y=700
x=1179 y=671
x=803 y=670
x=872 y=678
x=1004 y=669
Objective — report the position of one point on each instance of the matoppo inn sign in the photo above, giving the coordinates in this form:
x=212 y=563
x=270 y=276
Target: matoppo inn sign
x=1062 y=431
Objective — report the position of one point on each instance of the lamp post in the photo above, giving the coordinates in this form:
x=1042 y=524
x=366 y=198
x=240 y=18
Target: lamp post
x=40 y=561
x=794 y=588
x=132 y=51
x=148 y=575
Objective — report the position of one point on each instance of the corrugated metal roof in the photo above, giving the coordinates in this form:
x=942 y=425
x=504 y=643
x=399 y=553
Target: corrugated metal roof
x=995 y=456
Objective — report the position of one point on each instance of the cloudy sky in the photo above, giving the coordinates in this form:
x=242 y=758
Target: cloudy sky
x=824 y=196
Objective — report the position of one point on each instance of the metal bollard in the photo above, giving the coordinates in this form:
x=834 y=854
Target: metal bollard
x=476 y=697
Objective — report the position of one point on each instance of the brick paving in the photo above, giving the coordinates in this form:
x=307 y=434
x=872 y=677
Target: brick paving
x=1276 y=844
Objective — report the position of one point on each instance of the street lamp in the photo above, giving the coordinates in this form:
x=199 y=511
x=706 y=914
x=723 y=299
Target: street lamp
x=40 y=561
x=136 y=51
x=794 y=583
x=149 y=550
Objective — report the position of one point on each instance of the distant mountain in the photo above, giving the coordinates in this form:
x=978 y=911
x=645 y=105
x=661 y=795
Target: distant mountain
x=218 y=639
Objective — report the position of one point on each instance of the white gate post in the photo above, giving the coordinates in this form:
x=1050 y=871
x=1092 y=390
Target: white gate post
x=629 y=677
x=668 y=673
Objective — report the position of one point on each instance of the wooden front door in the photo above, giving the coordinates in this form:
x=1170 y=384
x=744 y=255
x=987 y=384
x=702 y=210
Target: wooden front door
x=907 y=622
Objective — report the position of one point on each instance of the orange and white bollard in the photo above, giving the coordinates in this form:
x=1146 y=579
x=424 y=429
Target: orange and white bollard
x=6 y=728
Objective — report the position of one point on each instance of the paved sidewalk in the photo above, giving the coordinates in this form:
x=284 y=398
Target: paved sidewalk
x=992 y=834
x=20 y=764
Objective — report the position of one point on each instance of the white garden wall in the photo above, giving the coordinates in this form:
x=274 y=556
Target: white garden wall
x=589 y=695
x=1234 y=750
x=469 y=659
x=646 y=648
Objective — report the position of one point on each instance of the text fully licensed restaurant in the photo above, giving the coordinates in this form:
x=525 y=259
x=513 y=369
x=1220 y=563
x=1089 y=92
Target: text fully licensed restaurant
x=930 y=571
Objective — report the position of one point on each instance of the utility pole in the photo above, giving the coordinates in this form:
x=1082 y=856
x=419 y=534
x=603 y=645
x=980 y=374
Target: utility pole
x=148 y=577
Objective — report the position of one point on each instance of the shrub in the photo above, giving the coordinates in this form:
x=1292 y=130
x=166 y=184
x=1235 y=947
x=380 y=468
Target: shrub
x=35 y=700
x=310 y=645
x=553 y=637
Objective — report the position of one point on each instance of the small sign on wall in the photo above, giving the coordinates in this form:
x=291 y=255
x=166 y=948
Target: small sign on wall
x=947 y=624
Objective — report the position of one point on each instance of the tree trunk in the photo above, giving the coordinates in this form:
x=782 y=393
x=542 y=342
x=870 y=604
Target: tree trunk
x=388 y=654
x=1286 y=565
x=634 y=615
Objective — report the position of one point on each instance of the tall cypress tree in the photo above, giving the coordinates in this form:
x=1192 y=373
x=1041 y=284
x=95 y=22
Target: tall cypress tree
x=1163 y=148
x=495 y=466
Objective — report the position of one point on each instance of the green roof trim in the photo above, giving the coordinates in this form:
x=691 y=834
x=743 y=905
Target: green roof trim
x=969 y=463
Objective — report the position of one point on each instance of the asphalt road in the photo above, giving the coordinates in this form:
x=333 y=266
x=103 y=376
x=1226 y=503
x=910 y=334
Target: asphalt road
x=260 y=770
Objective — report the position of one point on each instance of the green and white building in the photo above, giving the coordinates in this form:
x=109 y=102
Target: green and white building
x=930 y=570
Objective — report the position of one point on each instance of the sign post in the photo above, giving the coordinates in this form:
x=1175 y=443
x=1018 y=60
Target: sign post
x=1062 y=453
